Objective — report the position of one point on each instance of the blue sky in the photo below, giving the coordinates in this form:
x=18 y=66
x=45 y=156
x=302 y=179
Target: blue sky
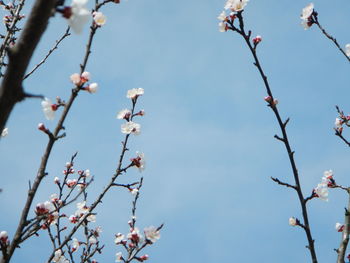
x=207 y=133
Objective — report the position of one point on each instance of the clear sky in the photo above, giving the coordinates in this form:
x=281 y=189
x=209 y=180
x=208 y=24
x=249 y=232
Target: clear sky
x=207 y=133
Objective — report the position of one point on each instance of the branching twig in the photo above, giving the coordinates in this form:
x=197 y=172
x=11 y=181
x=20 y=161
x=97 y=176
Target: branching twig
x=282 y=125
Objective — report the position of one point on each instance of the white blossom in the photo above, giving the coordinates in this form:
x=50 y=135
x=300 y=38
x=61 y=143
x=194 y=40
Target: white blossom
x=306 y=14
x=4 y=132
x=222 y=27
x=347 y=50
x=48 y=108
x=236 y=5
x=152 y=233
x=139 y=161
x=118 y=238
x=59 y=258
x=75 y=244
x=134 y=93
x=222 y=16
x=92 y=88
x=338 y=123
x=80 y=15
x=92 y=240
x=307 y=11
x=134 y=191
x=118 y=257
x=322 y=191
x=75 y=79
x=131 y=127
x=292 y=221
x=99 y=18
x=124 y=114
x=339 y=227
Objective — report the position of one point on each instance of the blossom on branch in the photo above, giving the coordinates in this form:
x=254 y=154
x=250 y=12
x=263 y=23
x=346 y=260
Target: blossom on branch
x=99 y=18
x=293 y=221
x=236 y=5
x=59 y=258
x=77 y=14
x=139 y=161
x=118 y=257
x=131 y=127
x=306 y=16
x=49 y=108
x=124 y=114
x=4 y=132
x=152 y=234
x=339 y=227
x=347 y=50
x=321 y=191
x=134 y=93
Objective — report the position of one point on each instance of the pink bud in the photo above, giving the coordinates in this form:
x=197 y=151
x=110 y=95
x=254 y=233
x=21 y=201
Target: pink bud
x=268 y=99
x=144 y=257
x=42 y=127
x=56 y=180
x=257 y=40
x=85 y=77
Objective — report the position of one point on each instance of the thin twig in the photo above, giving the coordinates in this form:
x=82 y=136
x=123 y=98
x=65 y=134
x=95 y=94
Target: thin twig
x=273 y=106
x=66 y=34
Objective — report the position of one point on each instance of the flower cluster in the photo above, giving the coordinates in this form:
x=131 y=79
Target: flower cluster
x=131 y=127
x=340 y=121
x=226 y=21
x=135 y=241
x=308 y=16
x=79 y=81
x=321 y=191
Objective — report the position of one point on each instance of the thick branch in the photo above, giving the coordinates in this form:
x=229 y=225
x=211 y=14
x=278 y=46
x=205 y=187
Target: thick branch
x=11 y=90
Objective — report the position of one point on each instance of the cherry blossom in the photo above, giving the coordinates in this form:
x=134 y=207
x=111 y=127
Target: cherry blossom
x=4 y=132
x=321 y=191
x=347 y=50
x=306 y=16
x=222 y=27
x=49 y=108
x=118 y=257
x=293 y=221
x=131 y=127
x=124 y=114
x=92 y=88
x=152 y=234
x=71 y=182
x=339 y=227
x=222 y=17
x=75 y=244
x=119 y=238
x=139 y=161
x=92 y=240
x=99 y=18
x=78 y=15
x=59 y=258
x=134 y=93
x=236 y=5
x=3 y=237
